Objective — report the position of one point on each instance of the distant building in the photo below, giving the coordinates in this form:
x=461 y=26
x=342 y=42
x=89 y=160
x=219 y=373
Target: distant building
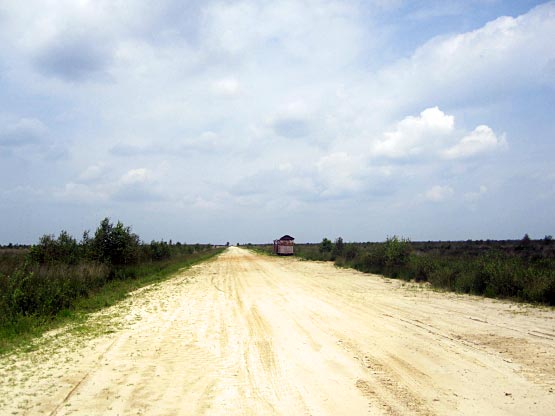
x=284 y=246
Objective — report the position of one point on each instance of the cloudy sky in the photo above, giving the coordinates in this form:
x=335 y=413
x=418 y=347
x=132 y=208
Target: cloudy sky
x=240 y=121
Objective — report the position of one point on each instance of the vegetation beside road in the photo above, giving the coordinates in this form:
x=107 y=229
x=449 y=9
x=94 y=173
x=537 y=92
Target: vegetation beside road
x=60 y=279
x=518 y=269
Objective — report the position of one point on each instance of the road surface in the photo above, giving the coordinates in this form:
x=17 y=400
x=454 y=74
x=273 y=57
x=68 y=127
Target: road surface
x=247 y=334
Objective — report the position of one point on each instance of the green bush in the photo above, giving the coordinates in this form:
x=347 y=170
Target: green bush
x=482 y=270
x=326 y=246
x=351 y=252
x=53 y=274
x=338 y=248
x=159 y=250
x=49 y=250
x=396 y=252
x=115 y=245
x=35 y=289
x=421 y=267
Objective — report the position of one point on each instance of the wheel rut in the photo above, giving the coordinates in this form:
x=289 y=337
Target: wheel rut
x=246 y=334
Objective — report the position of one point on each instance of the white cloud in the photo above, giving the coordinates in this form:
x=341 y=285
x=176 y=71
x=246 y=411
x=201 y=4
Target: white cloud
x=26 y=193
x=135 y=176
x=271 y=184
x=266 y=104
x=227 y=87
x=75 y=59
x=474 y=196
x=213 y=204
x=81 y=193
x=21 y=132
x=414 y=136
x=137 y=185
x=481 y=140
x=336 y=175
x=439 y=193
x=292 y=120
x=340 y=174
x=308 y=32
x=430 y=135
x=92 y=173
x=505 y=55
x=95 y=187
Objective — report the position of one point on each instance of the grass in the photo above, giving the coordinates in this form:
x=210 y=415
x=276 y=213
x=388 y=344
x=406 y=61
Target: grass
x=20 y=332
x=520 y=270
x=265 y=251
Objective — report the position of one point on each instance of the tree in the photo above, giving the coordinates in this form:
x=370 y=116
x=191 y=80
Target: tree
x=351 y=251
x=397 y=251
x=326 y=246
x=159 y=250
x=525 y=243
x=338 y=247
x=50 y=250
x=115 y=245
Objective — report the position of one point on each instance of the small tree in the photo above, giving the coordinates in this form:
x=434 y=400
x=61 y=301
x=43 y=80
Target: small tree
x=525 y=243
x=50 y=250
x=159 y=250
x=115 y=245
x=68 y=249
x=338 y=247
x=325 y=246
x=45 y=250
x=397 y=251
x=351 y=252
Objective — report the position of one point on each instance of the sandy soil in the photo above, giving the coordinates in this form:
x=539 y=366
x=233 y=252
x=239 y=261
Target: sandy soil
x=246 y=334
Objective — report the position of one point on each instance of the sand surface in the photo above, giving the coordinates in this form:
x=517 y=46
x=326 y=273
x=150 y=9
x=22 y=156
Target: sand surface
x=246 y=334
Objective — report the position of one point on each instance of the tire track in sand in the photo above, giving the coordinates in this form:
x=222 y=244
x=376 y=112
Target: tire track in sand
x=255 y=335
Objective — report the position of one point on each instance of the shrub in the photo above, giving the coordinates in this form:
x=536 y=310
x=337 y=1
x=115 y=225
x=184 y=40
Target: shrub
x=513 y=269
x=115 y=245
x=397 y=252
x=338 y=247
x=35 y=289
x=38 y=283
x=326 y=246
x=421 y=267
x=49 y=250
x=351 y=252
x=159 y=250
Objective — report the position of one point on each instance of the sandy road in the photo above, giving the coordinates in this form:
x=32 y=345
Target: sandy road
x=254 y=335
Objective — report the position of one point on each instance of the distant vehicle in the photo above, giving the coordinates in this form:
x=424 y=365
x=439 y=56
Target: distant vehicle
x=284 y=246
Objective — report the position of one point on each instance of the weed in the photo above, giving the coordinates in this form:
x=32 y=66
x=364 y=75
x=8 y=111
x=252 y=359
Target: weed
x=517 y=269
x=59 y=280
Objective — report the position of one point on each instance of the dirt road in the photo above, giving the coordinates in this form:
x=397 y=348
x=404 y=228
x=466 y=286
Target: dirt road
x=246 y=334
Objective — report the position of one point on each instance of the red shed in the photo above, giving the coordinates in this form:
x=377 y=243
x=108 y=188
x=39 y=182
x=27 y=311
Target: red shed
x=284 y=246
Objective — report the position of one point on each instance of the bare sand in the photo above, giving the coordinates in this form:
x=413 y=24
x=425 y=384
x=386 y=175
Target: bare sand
x=246 y=334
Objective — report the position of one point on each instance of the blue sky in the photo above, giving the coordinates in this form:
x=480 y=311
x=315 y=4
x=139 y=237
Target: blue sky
x=240 y=121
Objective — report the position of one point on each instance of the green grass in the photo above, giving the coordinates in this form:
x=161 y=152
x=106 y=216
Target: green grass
x=264 y=250
x=505 y=270
x=20 y=332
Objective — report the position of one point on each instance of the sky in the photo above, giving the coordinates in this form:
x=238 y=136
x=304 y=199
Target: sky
x=241 y=121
